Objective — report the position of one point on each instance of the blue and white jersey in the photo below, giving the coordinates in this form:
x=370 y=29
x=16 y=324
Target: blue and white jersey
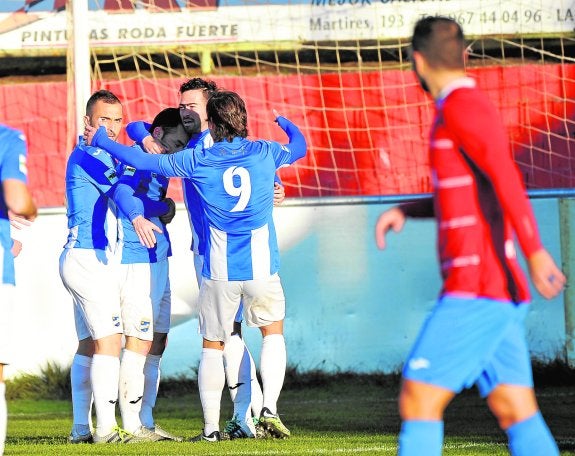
x=235 y=181
x=192 y=198
x=90 y=176
x=12 y=166
x=150 y=185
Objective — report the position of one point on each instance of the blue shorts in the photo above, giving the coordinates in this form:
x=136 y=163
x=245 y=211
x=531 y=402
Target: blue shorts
x=471 y=341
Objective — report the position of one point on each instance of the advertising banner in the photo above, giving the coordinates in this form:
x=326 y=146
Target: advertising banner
x=41 y=24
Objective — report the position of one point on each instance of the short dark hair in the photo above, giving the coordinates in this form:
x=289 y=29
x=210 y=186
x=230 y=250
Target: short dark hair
x=169 y=117
x=441 y=41
x=208 y=87
x=227 y=113
x=105 y=95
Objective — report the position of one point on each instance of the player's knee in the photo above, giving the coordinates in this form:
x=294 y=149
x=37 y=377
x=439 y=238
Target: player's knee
x=511 y=404
x=420 y=401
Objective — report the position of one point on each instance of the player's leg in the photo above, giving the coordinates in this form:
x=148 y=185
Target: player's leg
x=6 y=303
x=162 y=314
x=137 y=294
x=93 y=284
x=508 y=384
x=421 y=409
x=80 y=383
x=264 y=302
x=81 y=387
x=245 y=390
x=218 y=302
x=445 y=359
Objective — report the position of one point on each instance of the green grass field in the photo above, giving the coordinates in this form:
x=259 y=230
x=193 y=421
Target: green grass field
x=339 y=416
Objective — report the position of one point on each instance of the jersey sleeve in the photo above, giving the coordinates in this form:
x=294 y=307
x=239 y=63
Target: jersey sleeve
x=127 y=189
x=138 y=130
x=179 y=164
x=14 y=164
x=296 y=147
x=481 y=132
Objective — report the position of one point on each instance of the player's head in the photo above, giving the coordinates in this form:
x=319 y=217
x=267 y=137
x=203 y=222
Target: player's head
x=168 y=130
x=194 y=95
x=105 y=109
x=227 y=116
x=437 y=44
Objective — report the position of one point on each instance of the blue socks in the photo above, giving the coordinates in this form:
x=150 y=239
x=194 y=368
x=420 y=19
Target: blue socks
x=531 y=437
x=419 y=437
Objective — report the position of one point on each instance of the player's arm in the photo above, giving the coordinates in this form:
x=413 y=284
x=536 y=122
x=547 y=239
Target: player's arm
x=297 y=144
x=139 y=131
x=123 y=196
x=14 y=179
x=178 y=164
x=18 y=199
x=492 y=154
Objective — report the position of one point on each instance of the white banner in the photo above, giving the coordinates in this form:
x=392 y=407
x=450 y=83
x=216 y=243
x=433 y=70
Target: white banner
x=318 y=20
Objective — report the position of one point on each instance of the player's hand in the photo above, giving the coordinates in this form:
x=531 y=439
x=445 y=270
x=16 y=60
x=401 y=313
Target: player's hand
x=145 y=231
x=546 y=276
x=89 y=133
x=168 y=216
x=279 y=194
x=18 y=222
x=16 y=247
x=151 y=146
x=394 y=219
x=276 y=115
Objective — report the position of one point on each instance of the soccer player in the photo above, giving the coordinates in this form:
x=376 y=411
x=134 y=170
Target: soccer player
x=234 y=178
x=475 y=333
x=239 y=365
x=89 y=271
x=145 y=289
x=15 y=199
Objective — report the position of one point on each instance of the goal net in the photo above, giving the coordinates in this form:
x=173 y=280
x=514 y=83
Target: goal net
x=339 y=69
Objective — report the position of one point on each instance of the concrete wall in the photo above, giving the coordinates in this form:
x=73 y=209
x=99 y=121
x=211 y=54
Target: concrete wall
x=349 y=306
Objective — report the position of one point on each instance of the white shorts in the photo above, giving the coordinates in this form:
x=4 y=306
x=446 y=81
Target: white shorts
x=219 y=301
x=7 y=298
x=142 y=291
x=93 y=283
x=198 y=266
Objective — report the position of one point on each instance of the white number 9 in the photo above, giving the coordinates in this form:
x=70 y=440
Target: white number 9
x=244 y=191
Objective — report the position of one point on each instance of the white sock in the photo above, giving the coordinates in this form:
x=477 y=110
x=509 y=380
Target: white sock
x=105 y=376
x=131 y=388
x=3 y=416
x=257 y=395
x=151 y=383
x=238 y=374
x=273 y=366
x=211 y=381
x=81 y=390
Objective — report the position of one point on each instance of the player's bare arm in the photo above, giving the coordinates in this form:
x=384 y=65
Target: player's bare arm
x=18 y=199
x=546 y=276
x=394 y=219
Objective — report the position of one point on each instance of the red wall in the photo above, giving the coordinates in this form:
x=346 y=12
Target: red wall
x=367 y=132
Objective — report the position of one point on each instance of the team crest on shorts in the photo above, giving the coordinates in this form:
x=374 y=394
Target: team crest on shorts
x=144 y=326
x=116 y=320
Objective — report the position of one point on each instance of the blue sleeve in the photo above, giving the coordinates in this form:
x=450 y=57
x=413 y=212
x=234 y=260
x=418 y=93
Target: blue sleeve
x=179 y=164
x=134 y=205
x=138 y=130
x=297 y=144
x=123 y=196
